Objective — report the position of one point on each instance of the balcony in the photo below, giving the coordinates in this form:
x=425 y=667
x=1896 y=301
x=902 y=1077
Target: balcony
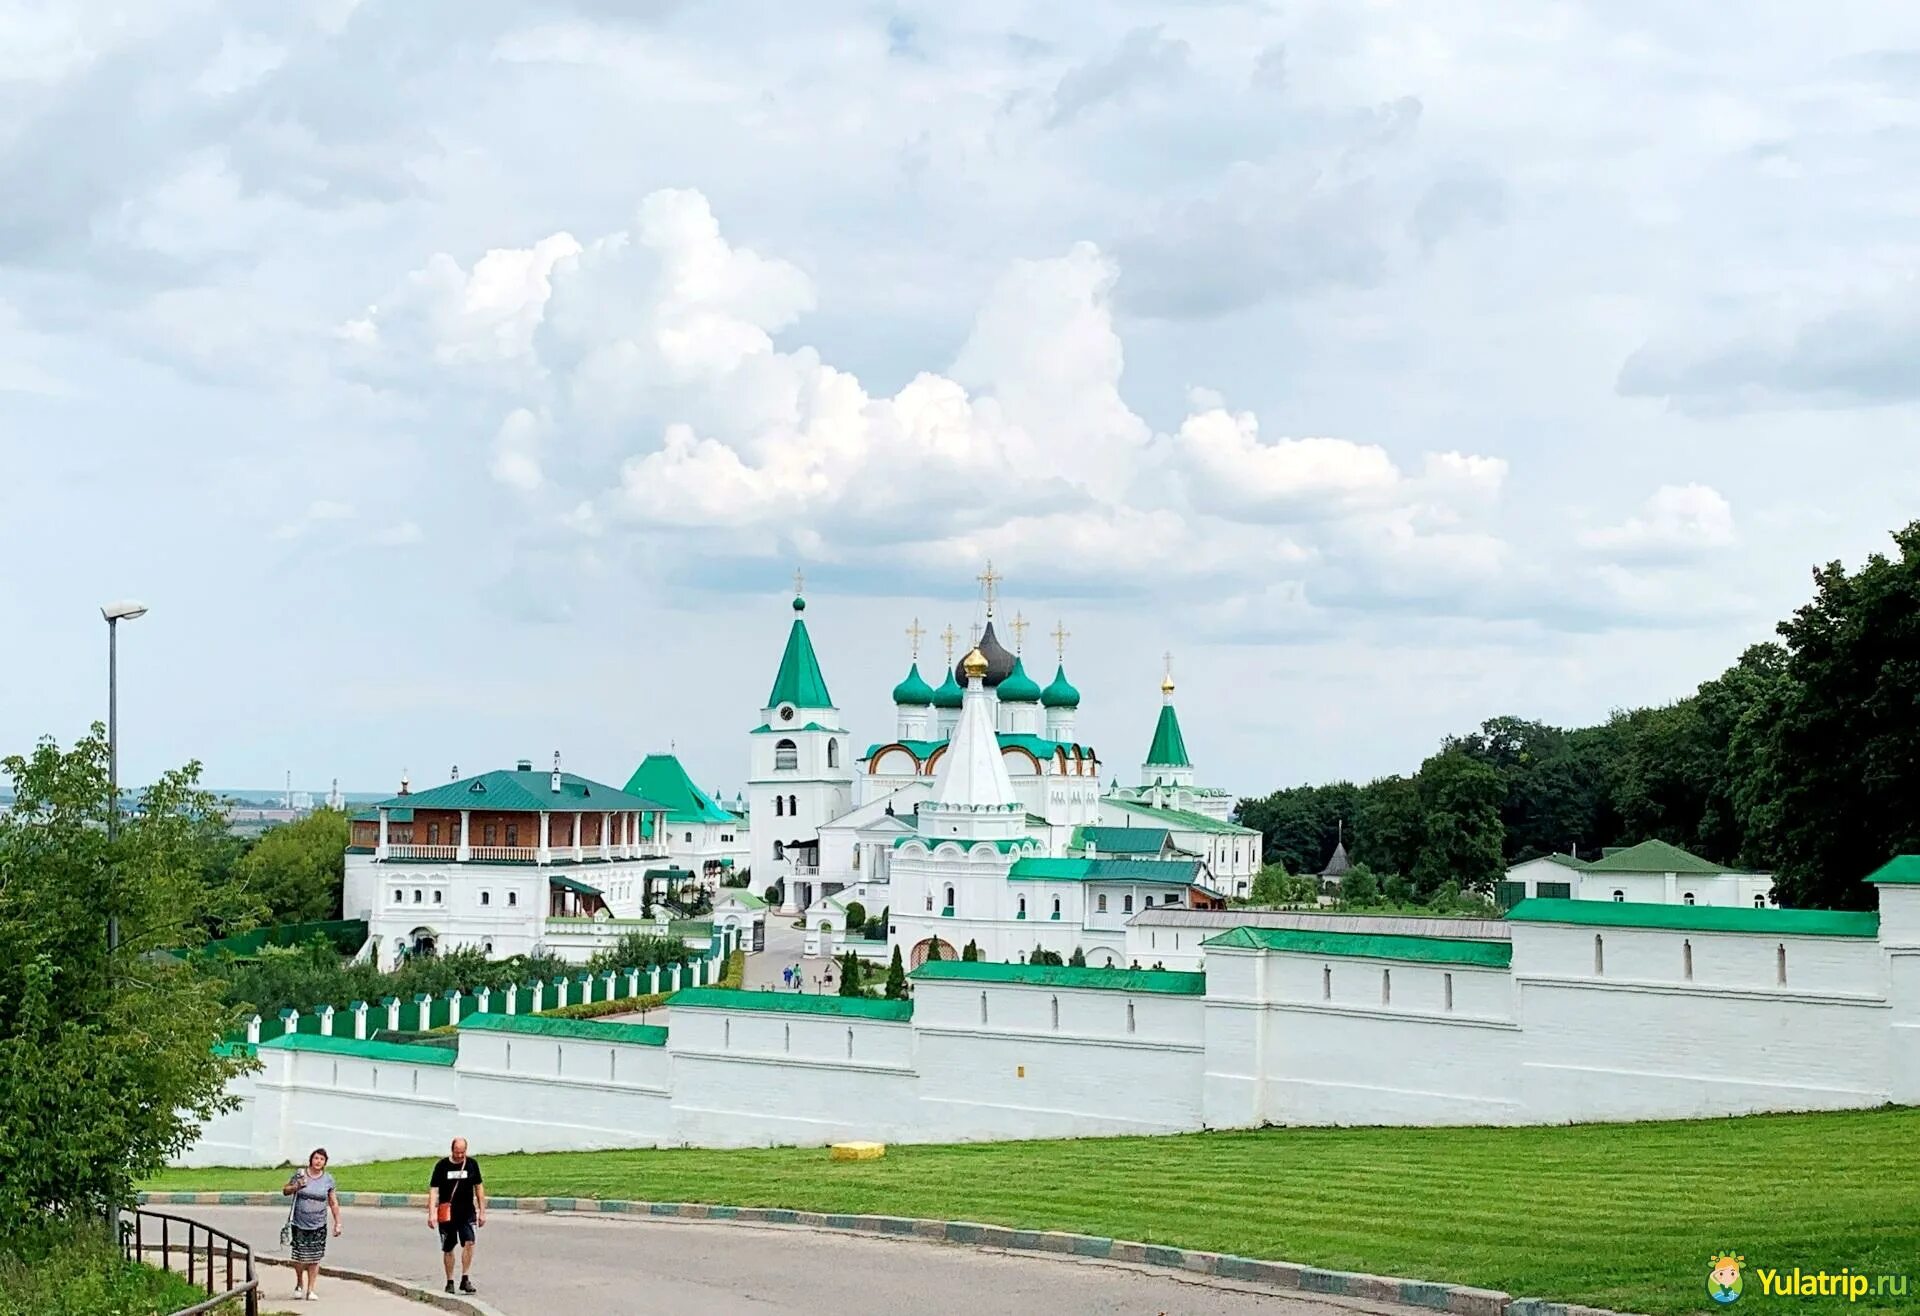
x=504 y=854
x=805 y=870
x=520 y=854
x=423 y=851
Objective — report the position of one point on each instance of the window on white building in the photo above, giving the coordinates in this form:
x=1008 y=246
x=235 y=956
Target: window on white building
x=786 y=756
x=1055 y=1007
x=437 y=896
x=1126 y=903
x=1619 y=896
x=833 y=753
x=949 y=898
x=779 y=848
x=398 y=895
x=1056 y=906
x=793 y=806
x=1759 y=902
x=1023 y=906
x=779 y=806
x=1100 y=902
x=513 y=897
x=1687 y=899
x=418 y=895
x=1386 y=986
x=486 y=897
x=1780 y=964
x=689 y=838
x=1599 y=955
x=487 y=947
x=1129 y=1016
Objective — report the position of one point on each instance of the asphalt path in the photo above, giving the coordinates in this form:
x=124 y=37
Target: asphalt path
x=528 y=1264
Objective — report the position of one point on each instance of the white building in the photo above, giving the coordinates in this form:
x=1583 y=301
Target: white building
x=1652 y=872
x=498 y=861
x=800 y=771
x=707 y=841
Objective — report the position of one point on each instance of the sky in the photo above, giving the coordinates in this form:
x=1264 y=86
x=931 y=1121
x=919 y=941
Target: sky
x=465 y=382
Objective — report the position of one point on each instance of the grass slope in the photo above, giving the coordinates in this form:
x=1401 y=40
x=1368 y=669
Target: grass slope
x=1616 y=1215
x=79 y=1275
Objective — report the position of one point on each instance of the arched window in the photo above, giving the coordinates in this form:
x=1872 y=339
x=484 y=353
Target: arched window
x=1619 y=896
x=1023 y=906
x=1686 y=959
x=779 y=850
x=1100 y=903
x=1599 y=955
x=833 y=753
x=398 y=895
x=949 y=897
x=1687 y=899
x=1056 y=906
x=793 y=806
x=513 y=897
x=417 y=896
x=689 y=838
x=1759 y=902
x=983 y=1007
x=1126 y=903
x=436 y=897
x=1056 y=1012
x=486 y=897
x=1129 y=1016
x=779 y=807
x=786 y=756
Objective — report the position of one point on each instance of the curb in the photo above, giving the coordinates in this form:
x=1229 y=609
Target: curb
x=1460 y=1299
x=399 y=1288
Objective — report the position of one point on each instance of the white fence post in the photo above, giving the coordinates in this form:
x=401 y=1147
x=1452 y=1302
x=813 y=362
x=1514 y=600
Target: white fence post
x=424 y=1003
x=253 y=1030
x=326 y=1021
x=393 y=1013
x=360 y=1021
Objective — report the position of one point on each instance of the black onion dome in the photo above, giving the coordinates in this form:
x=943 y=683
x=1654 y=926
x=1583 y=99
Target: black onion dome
x=999 y=661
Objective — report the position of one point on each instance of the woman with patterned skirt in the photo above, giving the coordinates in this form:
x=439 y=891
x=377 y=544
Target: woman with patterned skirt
x=312 y=1191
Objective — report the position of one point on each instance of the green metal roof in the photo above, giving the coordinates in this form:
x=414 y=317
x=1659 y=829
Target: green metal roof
x=1370 y=945
x=589 y=1030
x=364 y=1050
x=1121 y=840
x=1018 y=688
x=1039 y=746
x=1146 y=872
x=851 y=1007
x=1652 y=857
x=393 y=815
x=1901 y=870
x=1168 y=981
x=661 y=777
x=913 y=690
x=1169 y=747
x=523 y=792
x=573 y=884
x=949 y=695
x=799 y=681
x=1698 y=918
x=1060 y=692
x=1184 y=819
x=742 y=895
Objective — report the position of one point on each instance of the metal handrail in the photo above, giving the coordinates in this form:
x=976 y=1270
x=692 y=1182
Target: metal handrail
x=199 y=1259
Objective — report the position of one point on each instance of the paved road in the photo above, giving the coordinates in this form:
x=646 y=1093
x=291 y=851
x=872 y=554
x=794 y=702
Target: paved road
x=536 y=1265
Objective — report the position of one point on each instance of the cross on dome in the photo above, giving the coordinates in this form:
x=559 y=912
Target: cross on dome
x=1166 y=682
x=949 y=636
x=799 y=582
x=1060 y=634
x=914 y=632
x=990 y=585
x=1020 y=624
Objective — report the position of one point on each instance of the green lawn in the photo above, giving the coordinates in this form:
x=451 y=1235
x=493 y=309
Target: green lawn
x=1616 y=1215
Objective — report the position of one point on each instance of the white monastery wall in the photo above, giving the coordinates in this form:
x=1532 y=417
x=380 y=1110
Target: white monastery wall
x=1280 y=1036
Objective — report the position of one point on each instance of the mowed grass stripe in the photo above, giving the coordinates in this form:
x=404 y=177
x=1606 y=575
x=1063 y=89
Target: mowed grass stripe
x=1620 y=1216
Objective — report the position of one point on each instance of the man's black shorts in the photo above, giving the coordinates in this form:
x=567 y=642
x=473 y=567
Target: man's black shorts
x=451 y=1234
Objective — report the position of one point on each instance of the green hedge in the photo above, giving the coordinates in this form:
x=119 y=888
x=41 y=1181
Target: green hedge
x=735 y=974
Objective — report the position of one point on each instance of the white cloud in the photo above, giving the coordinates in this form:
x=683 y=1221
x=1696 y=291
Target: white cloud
x=1676 y=523
x=320 y=512
x=400 y=534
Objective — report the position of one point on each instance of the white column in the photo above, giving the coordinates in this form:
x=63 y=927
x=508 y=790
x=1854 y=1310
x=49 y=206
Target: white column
x=606 y=835
x=253 y=1030
x=465 y=852
x=545 y=854
x=326 y=1021
x=633 y=982
x=425 y=1003
x=539 y=995
x=484 y=998
x=579 y=851
x=360 y=1021
x=393 y=1014
x=380 y=848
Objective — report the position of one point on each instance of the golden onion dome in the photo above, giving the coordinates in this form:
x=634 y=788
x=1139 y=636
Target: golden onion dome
x=974 y=665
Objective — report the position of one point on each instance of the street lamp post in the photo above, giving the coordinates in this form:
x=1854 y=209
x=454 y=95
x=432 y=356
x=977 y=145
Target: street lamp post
x=115 y=613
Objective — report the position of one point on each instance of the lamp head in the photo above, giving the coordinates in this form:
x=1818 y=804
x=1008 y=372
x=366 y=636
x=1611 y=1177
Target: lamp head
x=124 y=610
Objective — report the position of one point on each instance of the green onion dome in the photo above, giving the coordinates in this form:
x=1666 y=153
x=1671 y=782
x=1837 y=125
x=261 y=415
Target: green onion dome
x=1019 y=688
x=1060 y=692
x=949 y=695
x=914 y=690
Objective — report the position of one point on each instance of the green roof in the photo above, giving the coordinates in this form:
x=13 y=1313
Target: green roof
x=1148 y=872
x=1698 y=918
x=913 y=690
x=1169 y=747
x=1003 y=844
x=1652 y=857
x=1902 y=869
x=1184 y=818
x=1565 y=861
x=661 y=777
x=1038 y=746
x=353 y=1046
x=1121 y=840
x=591 y=1030
x=393 y=815
x=522 y=792
x=1170 y=981
x=1060 y=692
x=852 y=1007
x=787 y=731
x=742 y=895
x=799 y=681
x=572 y=884
x=1018 y=688
x=949 y=695
x=1370 y=945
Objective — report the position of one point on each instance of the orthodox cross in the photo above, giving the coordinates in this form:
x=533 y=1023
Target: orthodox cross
x=914 y=632
x=1168 y=657
x=1020 y=625
x=949 y=637
x=799 y=582
x=1060 y=634
x=989 y=584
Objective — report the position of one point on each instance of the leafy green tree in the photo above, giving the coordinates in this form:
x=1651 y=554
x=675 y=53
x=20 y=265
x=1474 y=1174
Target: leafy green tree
x=856 y=916
x=1391 y=827
x=1358 y=886
x=896 y=989
x=1464 y=839
x=637 y=950
x=295 y=870
x=1844 y=755
x=971 y=951
x=933 y=949
x=1078 y=959
x=107 y=1061
x=850 y=974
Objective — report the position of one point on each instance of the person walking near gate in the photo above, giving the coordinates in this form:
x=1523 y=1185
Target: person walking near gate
x=456 y=1206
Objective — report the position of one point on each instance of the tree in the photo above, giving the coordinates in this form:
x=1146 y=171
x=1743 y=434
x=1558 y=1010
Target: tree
x=1358 y=886
x=1464 y=839
x=1391 y=826
x=1041 y=955
x=971 y=951
x=295 y=870
x=107 y=1061
x=933 y=949
x=1078 y=959
x=856 y=916
x=1844 y=754
x=850 y=975
x=776 y=894
x=896 y=989
x=638 y=950
x=1272 y=886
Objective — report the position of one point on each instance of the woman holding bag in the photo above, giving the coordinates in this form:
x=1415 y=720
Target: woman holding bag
x=312 y=1191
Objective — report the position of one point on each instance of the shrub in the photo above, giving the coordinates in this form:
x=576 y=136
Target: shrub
x=1041 y=955
x=1078 y=959
x=1359 y=886
x=971 y=951
x=776 y=894
x=640 y=950
x=856 y=915
x=933 y=950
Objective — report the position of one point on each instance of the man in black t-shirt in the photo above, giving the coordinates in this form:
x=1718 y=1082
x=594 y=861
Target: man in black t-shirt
x=456 y=1204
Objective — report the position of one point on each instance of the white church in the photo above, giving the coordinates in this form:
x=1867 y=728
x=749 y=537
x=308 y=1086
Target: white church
x=983 y=819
